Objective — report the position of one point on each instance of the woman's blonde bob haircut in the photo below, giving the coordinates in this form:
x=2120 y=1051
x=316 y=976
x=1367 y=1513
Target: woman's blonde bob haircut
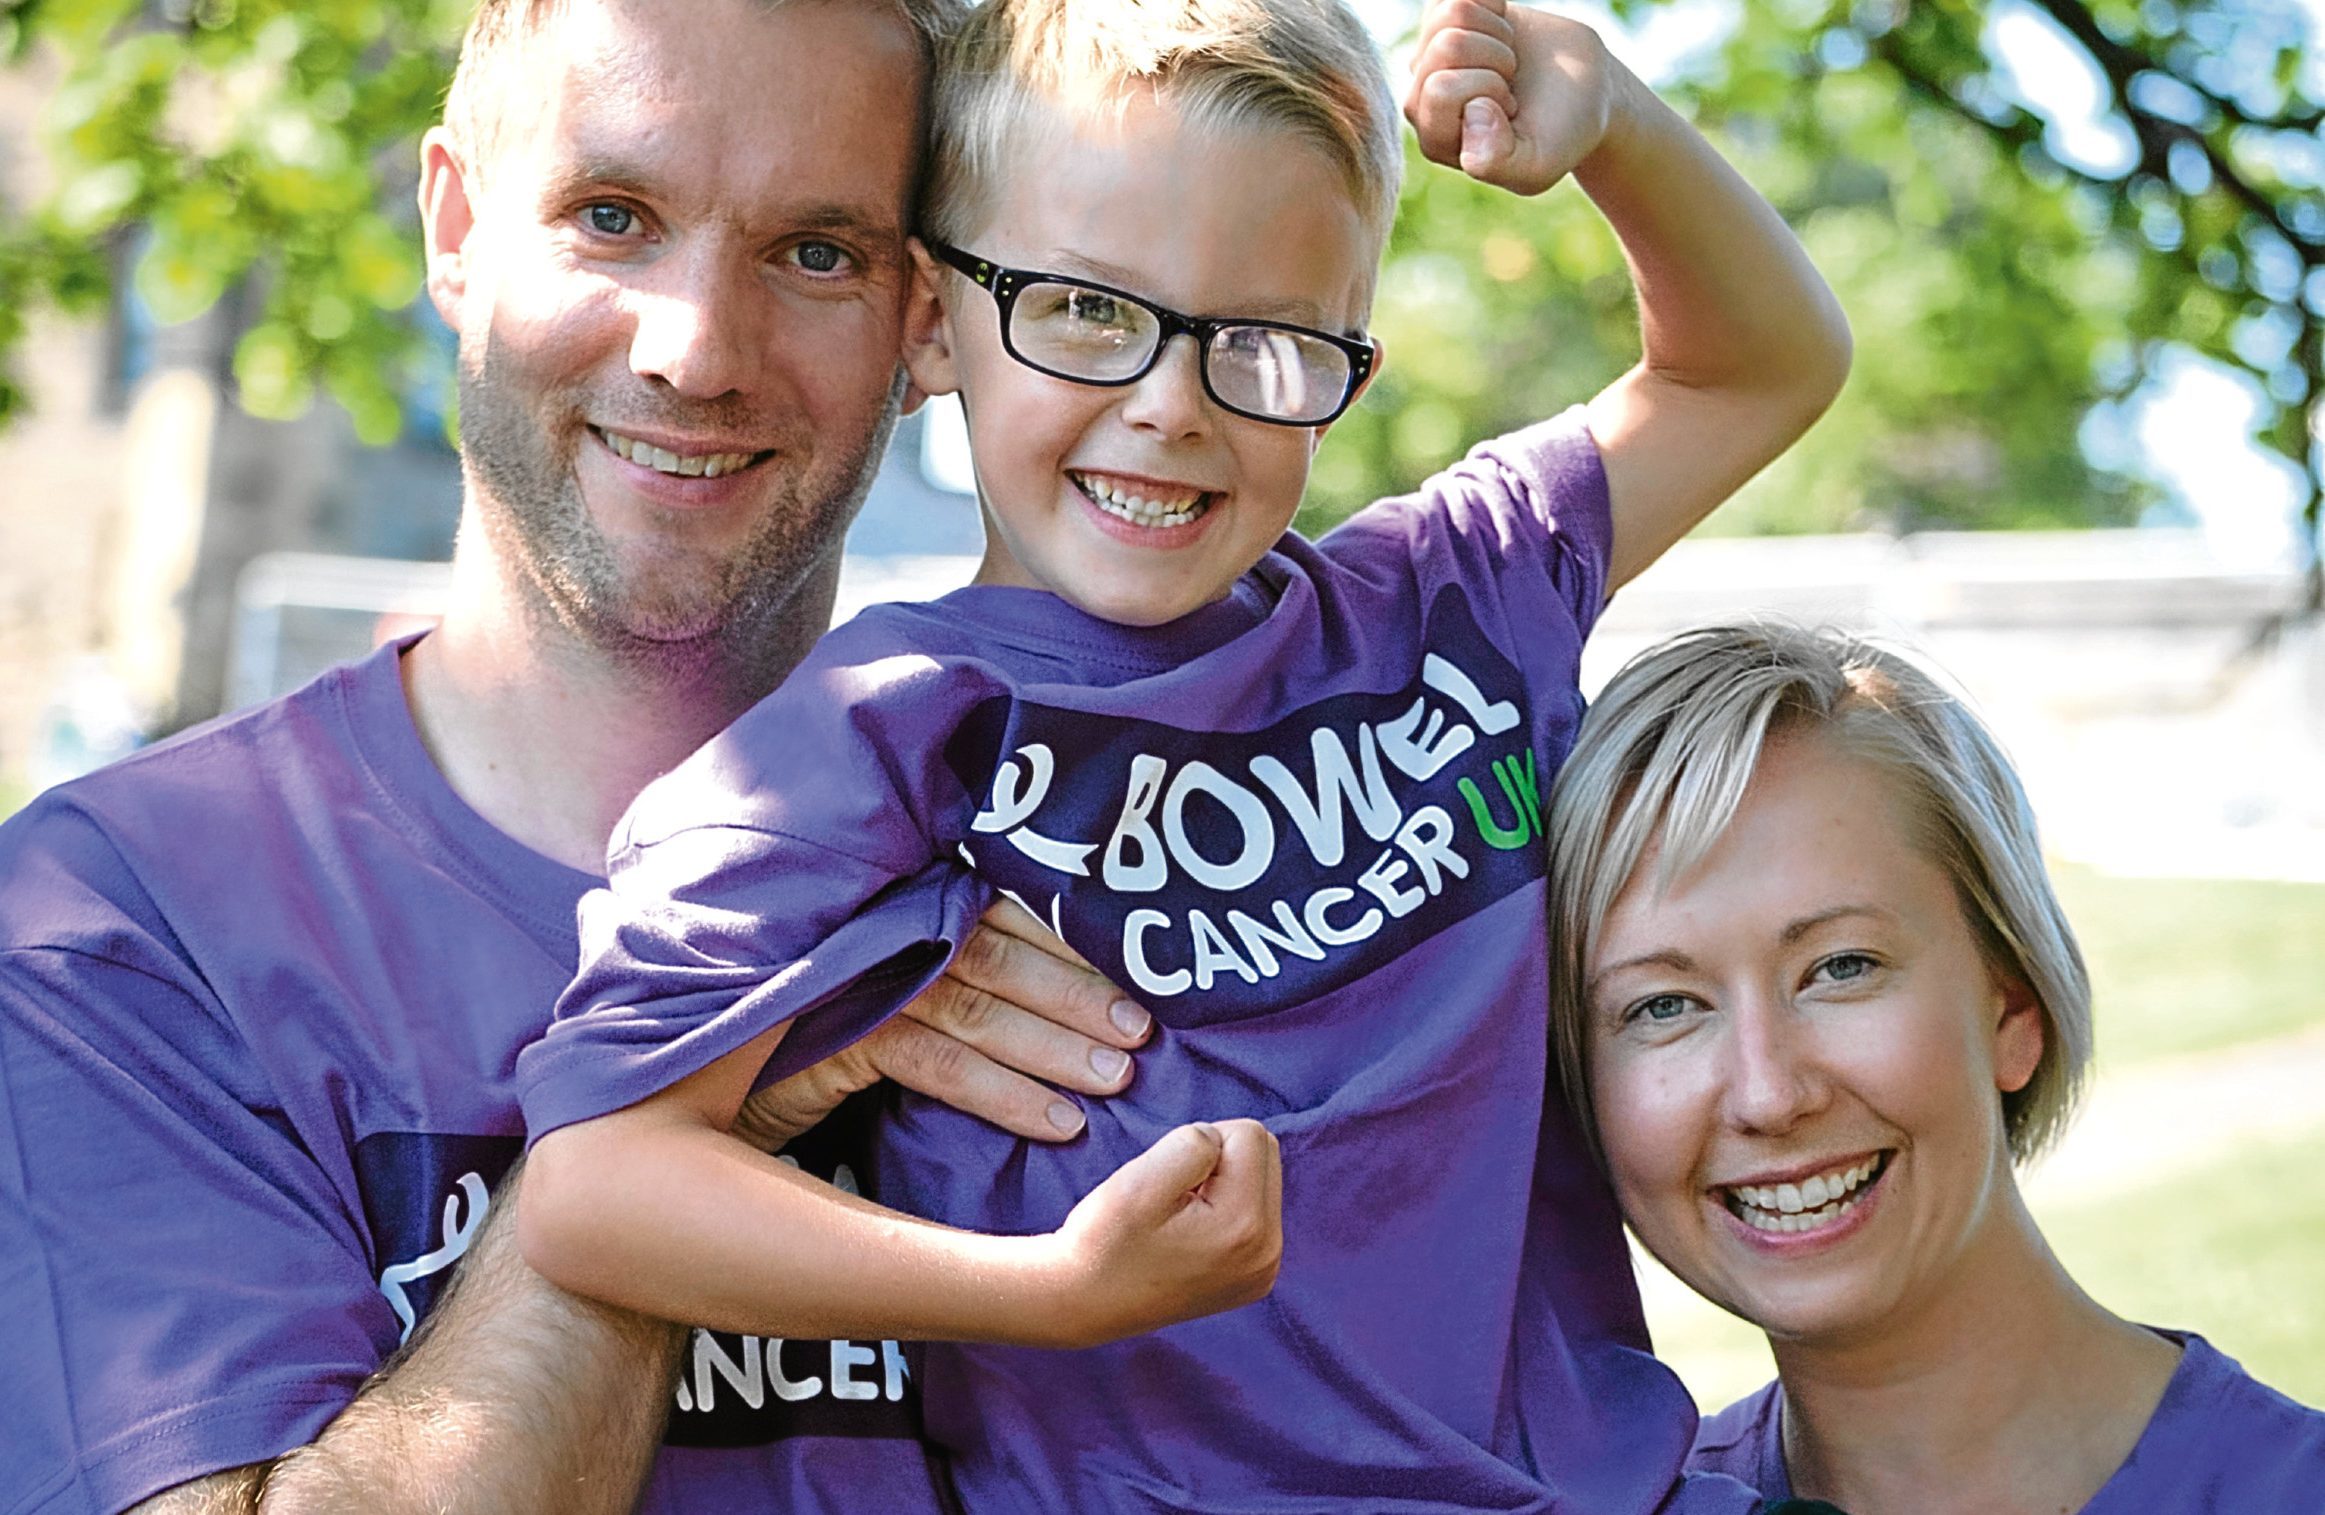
x=1662 y=762
x=1306 y=67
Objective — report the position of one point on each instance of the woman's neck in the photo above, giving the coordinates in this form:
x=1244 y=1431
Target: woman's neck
x=2007 y=1390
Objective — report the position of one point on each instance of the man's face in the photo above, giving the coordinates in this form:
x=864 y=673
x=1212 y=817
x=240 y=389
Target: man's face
x=678 y=278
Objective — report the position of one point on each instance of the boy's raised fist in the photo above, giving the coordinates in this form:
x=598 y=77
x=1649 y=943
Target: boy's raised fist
x=1511 y=95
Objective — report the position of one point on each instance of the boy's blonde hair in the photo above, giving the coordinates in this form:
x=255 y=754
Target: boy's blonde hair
x=1303 y=66
x=1670 y=745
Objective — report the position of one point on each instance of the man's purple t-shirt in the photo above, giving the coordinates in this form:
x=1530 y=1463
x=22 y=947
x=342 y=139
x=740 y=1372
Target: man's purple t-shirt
x=262 y=991
x=2219 y=1443
x=1303 y=826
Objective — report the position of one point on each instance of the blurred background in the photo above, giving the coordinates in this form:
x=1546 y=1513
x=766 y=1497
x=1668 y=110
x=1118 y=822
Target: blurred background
x=2082 y=243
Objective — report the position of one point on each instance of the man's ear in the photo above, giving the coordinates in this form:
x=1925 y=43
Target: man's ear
x=2019 y=1036
x=928 y=332
x=446 y=219
x=1380 y=360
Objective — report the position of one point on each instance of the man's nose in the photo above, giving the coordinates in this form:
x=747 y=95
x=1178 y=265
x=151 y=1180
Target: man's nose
x=699 y=324
x=1169 y=401
x=1774 y=1077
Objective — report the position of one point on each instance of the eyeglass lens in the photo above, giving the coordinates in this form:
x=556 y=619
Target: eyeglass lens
x=1086 y=333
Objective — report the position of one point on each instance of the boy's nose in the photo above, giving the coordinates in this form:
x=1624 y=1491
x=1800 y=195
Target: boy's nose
x=1170 y=400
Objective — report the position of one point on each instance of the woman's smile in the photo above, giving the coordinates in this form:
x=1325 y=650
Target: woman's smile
x=1800 y=1052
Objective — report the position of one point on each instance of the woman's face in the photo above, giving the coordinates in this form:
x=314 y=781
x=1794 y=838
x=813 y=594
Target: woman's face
x=1796 y=1056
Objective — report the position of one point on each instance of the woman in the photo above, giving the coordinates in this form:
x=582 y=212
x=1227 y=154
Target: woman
x=1817 y=995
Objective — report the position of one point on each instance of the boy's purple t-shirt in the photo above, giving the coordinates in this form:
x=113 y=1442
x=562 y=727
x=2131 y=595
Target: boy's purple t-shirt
x=1303 y=826
x=261 y=995
x=2219 y=1443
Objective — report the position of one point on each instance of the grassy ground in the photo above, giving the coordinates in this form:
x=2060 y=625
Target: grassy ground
x=2234 y=1248
x=2189 y=965
x=2235 y=1251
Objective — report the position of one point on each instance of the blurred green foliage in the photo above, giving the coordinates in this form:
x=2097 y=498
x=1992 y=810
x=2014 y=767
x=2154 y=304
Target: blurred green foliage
x=1997 y=293
x=233 y=140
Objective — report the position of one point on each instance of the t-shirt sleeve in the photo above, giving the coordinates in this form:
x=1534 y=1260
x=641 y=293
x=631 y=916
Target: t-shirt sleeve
x=793 y=871
x=1527 y=513
x=184 y=1290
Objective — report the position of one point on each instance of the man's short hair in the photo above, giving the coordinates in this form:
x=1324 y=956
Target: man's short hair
x=1303 y=66
x=1663 y=761
x=480 y=82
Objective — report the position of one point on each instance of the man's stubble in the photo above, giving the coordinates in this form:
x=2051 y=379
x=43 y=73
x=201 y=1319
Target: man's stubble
x=673 y=612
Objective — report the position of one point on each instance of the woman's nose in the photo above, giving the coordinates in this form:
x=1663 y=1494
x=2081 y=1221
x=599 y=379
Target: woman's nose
x=1774 y=1076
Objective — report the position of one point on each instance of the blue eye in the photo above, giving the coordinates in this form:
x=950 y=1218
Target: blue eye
x=610 y=220
x=820 y=257
x=1842 y=967
x=1659 y=1009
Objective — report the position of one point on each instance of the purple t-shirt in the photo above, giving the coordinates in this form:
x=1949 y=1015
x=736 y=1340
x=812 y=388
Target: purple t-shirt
x=261 y=995
x=1303 y=826
x=2219 y=1443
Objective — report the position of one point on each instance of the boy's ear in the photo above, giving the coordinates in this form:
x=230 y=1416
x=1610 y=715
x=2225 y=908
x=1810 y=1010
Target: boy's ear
x=928 y=333
x=1380 y=360
x=446 y=218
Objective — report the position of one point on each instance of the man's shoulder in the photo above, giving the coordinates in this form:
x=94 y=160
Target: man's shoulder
x=242 y=753
x=205 y=797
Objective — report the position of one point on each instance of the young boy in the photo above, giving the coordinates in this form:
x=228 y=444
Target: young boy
x=1288 y=794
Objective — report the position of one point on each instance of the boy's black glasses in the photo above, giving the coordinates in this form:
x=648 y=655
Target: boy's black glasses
x=1072 y=329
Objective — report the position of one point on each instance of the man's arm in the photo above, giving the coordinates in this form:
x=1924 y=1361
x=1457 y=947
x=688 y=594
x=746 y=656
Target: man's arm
x=514 y=1396
x=233 y=1492
x=1018 y=1016
x=511 y=1396
x=1744 y=345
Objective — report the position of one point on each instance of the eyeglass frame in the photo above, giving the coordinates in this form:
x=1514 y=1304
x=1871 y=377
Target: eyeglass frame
x=1005 y=284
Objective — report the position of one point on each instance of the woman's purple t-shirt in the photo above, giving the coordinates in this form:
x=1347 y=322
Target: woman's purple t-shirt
x=1303 y=826
x=2219 y=1443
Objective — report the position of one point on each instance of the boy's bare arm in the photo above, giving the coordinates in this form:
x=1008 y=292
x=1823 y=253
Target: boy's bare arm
x=1744 y=343
x=658 y=1208
x=517 y=1396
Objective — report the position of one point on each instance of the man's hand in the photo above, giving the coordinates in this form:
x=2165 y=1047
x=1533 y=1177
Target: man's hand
x=1018 y=1016
x=1189 y=1227
x=1511 y=95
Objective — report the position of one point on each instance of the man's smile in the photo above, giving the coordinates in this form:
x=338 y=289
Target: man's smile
x=689 y=464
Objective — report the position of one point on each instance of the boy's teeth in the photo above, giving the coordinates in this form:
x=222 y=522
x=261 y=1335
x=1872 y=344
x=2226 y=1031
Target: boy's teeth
x=704 y=466
x=1804 y=1206
x=1177 y=510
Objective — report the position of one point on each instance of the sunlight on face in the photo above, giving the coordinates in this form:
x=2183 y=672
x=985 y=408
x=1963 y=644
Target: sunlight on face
x=682 y=306
x=1797 y=1055
x=1144 y=502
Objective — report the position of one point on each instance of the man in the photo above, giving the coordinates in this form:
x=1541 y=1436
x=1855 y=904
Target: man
x=261 y=989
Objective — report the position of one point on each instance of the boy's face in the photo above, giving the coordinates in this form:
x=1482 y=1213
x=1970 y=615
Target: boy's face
x=1240 y=222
